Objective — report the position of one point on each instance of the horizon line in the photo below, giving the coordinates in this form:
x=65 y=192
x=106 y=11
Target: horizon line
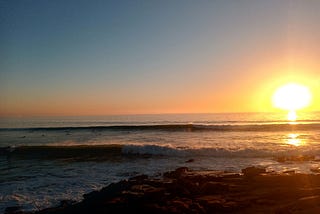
x=146 y=114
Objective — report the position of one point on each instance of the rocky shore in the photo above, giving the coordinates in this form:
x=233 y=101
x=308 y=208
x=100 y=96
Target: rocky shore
x=185 y=191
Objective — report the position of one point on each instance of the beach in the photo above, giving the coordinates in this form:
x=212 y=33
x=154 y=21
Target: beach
x=186 y=191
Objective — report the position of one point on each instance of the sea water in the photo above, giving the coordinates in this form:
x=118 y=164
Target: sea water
x=46 y=160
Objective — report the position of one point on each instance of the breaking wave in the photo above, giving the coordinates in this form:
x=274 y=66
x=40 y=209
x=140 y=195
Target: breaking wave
x=112 y=152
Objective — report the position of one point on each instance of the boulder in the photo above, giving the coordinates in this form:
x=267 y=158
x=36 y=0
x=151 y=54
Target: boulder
x=253 y=171
x=177 y=173
x=214 y=188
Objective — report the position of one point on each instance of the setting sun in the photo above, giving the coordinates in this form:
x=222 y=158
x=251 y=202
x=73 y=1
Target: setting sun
x=291 y=97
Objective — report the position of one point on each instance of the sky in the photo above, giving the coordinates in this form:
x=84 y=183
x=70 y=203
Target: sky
x=94 y=57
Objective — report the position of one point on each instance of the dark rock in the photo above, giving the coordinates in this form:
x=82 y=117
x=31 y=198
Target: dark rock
x=212 y=203
x=231 y=175
x=139 y=178
x=253 y=171
x=264 y=201
x=184 y=191
x=13 y=210
x=177 y=173
x=182 y=170
x=148 y=190
x=190 y=160
x=230 y=206
x=181 y=205
x=111 y=190
x=214 y=187
x=178 y=188
x=190 y=186
x=65 y=203
x=315 y=169
x=154 y=208
x=196 y=207
x=289 y=171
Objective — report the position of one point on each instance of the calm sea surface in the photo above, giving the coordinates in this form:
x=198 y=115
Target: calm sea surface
x=46 y=160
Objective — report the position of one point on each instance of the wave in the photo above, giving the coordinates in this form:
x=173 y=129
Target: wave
x=117 y=152
x=296 y=126
x=213 y=152
x=76 y=153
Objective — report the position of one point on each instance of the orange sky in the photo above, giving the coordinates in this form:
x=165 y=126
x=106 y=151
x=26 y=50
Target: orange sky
x=169 y=58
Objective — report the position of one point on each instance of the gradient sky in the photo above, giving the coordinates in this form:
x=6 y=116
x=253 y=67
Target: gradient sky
x=96 y=57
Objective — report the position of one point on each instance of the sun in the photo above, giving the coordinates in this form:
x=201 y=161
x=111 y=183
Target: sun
x=292 y=97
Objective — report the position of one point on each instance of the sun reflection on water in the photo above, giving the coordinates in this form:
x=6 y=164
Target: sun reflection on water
x=293 y=139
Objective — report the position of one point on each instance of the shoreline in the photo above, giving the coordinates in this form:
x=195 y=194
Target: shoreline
x=186 y=191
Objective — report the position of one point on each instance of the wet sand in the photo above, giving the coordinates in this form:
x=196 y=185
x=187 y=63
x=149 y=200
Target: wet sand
x=185 y=191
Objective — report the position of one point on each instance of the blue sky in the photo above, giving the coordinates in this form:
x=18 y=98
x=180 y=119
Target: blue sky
x=106 y=57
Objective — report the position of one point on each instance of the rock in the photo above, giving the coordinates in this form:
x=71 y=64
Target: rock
x=196 y=207
x=231 y=175
x=177 y=173
x=111 y=190
x=214 y=187
x=179 y=188
x=182 y=170
x=190 y=160
x=190 y=186
x=179 y=206
x=309 y=204
x=65 y=203
x=212 y=203
x=315 y=169
x=13 y=210
x=200 y=192
x=310 y=198
x=139 y=178
x=289 y=171
x=230 y=206
x=264 y=202
x=153 y=208
x=253 y=171
x=148 y=190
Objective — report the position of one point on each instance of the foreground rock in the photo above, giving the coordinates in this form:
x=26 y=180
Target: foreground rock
x=185 y=191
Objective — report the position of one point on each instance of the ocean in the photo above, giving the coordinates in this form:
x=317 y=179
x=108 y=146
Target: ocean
x=46 y=160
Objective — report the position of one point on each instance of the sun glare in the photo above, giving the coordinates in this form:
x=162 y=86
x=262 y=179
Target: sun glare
x=292 y=116
x=292 y=97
